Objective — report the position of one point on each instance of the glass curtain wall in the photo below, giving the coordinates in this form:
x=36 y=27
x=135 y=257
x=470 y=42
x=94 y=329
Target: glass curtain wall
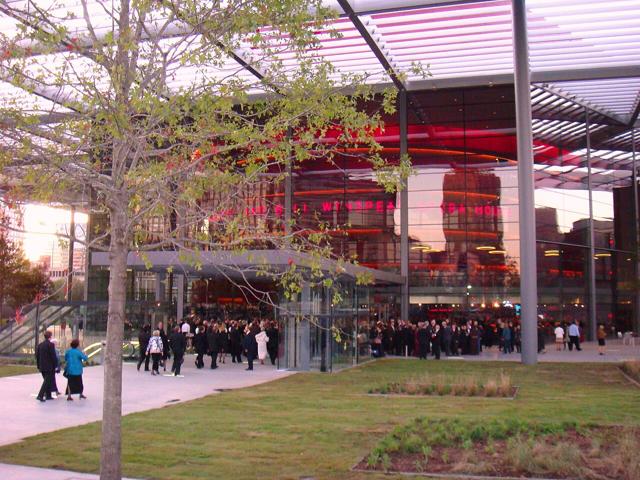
x=614 y=234
x=585 y=215
x=463 y=204
x=323 y=331
x=562 y=217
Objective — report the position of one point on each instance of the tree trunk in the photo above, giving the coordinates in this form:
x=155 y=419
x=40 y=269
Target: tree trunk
x=110 y=453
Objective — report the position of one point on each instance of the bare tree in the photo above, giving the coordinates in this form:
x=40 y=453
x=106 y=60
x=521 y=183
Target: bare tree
x=171 y=118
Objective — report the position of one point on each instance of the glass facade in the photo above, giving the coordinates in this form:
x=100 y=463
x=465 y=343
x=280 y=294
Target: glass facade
x=587 y=250
x=463 y=223
x=463 y=203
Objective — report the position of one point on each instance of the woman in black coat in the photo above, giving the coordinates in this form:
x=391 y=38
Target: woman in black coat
x=223 y=342
x=423 y=341
x=455 y=340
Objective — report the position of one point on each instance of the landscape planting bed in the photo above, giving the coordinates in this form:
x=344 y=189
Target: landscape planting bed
x=509 y=449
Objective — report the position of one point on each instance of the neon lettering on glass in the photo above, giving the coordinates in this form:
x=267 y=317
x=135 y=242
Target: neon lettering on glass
x=478 y=210
x=379 y=206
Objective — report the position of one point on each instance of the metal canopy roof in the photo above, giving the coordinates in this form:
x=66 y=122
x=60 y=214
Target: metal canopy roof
x=584 y=54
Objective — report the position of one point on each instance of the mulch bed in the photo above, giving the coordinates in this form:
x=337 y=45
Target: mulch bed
x=478 y=462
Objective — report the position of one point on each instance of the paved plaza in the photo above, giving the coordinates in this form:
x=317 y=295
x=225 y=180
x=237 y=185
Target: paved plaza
x=22 y=415
x=615 y=352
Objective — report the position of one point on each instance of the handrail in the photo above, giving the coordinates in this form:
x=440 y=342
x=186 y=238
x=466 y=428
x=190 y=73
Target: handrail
x=22 y=334
x=26 y=329
x=98 y=347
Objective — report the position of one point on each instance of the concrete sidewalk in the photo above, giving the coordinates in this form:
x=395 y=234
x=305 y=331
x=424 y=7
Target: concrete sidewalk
x=19 y=472
x=615 y=352
x=21 y=415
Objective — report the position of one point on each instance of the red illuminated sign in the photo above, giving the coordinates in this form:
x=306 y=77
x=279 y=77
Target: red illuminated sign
x=479 y=210
x=378 y=206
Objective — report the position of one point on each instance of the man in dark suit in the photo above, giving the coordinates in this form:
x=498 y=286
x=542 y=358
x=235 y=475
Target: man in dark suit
x=143 y=340
x=213 y=344
x=178 y=343
x=251 y=348
x=47 y=362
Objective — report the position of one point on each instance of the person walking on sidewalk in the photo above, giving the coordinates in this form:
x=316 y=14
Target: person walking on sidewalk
x=262 y=339
x=507 y=339
x=251 y=347
x=178 y=343
x=559 y=334
x=574 y=336
x=143 y=343
x=602 y=335
x=213 y=344
x=155 y=348
x=47 y=363
x=73 y=370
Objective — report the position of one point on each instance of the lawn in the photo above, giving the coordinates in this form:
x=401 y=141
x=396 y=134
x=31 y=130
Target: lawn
x=11 y=370
x=320 y=425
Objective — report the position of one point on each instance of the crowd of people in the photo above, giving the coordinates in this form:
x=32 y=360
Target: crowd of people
x=216 y=338
x=471 y=337
x=451 y=338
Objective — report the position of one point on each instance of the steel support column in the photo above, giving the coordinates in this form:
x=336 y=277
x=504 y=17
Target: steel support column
x=180 y=296
x=593 y=324
x=528 y=273
x=159 y=287
x=72 y=236
x=404 y=210
x=288 y=199
x=636 y=209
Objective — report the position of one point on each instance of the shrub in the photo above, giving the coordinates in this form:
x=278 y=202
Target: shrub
x=443 y=385
x=491 y=388
x=504 y=385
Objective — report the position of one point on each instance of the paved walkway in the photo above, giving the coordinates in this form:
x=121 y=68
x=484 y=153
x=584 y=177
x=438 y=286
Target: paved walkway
x=19 y=472
x=616 y=352
x=21 y=415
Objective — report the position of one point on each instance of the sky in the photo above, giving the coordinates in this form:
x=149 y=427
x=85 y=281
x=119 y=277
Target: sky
x=40 y=223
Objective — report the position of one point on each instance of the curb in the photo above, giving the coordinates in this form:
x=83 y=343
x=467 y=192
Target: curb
x=624 y=374
x=452 y=476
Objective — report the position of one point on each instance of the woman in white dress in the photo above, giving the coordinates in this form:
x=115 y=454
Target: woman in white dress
x=262 y=339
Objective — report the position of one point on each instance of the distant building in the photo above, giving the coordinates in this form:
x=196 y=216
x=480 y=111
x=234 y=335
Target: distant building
x=14 y=218
x=57 y=262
